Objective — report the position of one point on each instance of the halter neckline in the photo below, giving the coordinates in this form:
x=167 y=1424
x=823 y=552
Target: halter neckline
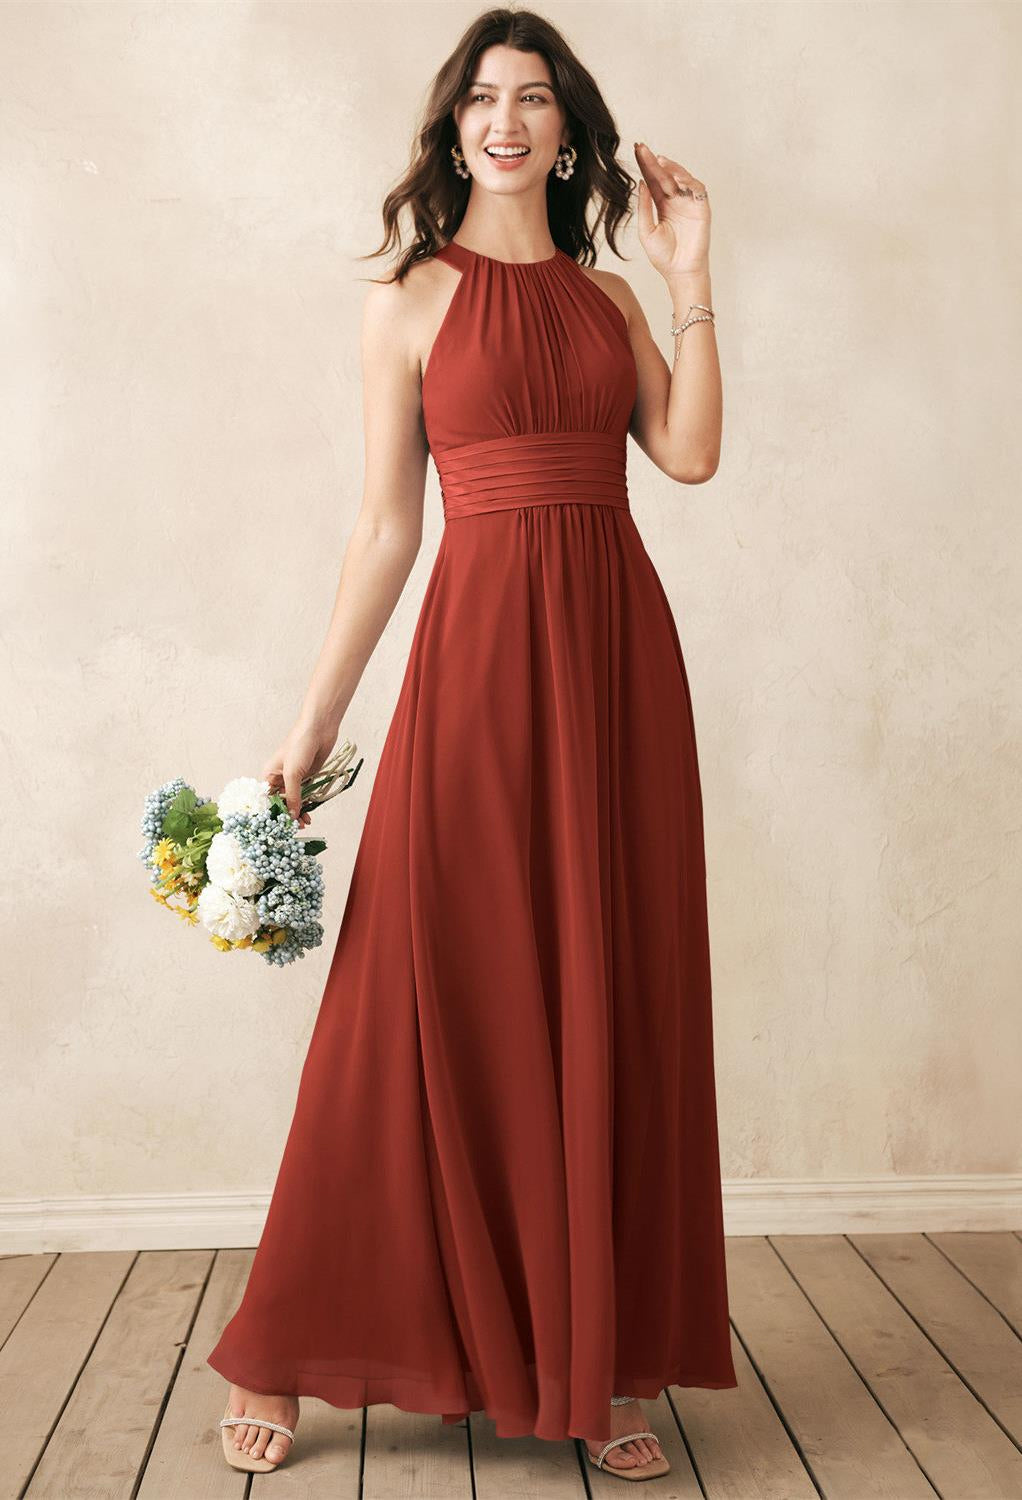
x=512 y=265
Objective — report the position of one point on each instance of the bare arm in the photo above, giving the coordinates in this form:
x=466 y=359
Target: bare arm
x=678 y=413
x=384 y=541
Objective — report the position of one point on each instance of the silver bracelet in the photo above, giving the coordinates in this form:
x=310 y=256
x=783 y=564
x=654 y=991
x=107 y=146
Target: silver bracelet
x=701 y=307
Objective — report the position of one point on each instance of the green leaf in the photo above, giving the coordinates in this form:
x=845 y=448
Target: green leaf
x=177 y=826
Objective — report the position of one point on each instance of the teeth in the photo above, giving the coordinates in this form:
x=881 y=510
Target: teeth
x=507 y=150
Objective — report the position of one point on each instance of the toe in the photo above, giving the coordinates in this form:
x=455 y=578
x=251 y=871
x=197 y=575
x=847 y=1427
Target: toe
x=277 y=1449
x=621 y=1458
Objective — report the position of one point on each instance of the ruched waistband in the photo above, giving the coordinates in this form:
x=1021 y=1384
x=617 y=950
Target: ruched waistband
x=535 y=468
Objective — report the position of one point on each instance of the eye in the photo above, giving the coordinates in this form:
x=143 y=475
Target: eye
x=541 y=97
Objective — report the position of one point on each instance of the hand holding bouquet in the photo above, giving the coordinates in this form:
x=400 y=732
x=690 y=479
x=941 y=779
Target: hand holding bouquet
x=238 y=865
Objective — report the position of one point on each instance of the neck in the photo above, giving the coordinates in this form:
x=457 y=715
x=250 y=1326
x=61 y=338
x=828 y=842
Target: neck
x=501 y=229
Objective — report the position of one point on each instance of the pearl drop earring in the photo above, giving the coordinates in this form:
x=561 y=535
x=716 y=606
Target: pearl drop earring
x=564 y=165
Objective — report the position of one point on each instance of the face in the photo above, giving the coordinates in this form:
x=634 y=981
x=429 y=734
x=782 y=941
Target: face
x=510 y=101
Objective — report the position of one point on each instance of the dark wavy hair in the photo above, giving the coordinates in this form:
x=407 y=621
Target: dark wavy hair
x=436 y=196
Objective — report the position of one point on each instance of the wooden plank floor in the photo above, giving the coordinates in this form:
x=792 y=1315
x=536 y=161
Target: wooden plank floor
x=868 y=1364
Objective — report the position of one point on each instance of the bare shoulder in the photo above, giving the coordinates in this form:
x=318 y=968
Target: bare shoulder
x=617 y=288
x=403 y=314
x=384 y=310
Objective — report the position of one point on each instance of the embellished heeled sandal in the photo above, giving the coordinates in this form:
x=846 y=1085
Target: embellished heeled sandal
x=236 y=1457
x=650 y=1470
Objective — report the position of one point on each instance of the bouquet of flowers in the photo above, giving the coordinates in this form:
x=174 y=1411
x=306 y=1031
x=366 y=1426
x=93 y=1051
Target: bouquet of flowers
x=237 y=864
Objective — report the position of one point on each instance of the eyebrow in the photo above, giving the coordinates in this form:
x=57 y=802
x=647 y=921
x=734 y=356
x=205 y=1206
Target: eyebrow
x=537 y=83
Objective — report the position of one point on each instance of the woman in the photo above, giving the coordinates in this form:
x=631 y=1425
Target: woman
x=501 y=1188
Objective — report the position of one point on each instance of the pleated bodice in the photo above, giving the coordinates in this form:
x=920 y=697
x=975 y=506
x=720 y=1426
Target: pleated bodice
x=529 y=387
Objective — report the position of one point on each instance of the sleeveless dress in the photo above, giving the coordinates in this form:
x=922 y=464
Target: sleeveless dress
x=500 y=1190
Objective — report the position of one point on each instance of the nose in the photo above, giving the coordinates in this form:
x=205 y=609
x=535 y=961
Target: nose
x=507 y=121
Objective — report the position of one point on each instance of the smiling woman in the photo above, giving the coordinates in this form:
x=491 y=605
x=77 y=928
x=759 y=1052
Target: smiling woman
x=500 y=1190
x=512 y=82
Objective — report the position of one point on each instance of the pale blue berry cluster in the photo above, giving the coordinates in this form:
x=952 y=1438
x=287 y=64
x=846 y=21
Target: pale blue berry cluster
x=293 y=894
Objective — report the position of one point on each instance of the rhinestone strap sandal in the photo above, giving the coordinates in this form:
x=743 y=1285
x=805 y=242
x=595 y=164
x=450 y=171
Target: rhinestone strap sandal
x=651 y=1470
x=240 y=1460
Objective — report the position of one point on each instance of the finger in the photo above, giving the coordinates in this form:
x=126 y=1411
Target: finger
x=660 y=183
x=646 y=160
x=675 y=168
x=644 y=213
x=682 y=176
x=293 y=792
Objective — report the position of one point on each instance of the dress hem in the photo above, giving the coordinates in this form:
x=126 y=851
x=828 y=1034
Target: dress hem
x=311 y=1385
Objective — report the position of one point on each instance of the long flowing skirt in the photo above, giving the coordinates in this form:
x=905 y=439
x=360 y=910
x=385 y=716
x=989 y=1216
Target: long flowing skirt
x=501 y=1186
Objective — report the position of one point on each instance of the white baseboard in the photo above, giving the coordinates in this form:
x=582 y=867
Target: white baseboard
x=850 y=1205
x=879 y=1205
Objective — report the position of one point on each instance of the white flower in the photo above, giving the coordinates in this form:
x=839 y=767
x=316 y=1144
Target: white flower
x=243 y=794
x=228 y=868
x=225 y=916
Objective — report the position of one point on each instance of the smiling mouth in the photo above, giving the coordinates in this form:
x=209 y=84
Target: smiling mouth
x=506 y=153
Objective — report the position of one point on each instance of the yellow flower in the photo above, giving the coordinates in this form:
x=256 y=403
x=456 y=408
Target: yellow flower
x=280 y=936
x=165 y=856
x=261 y=944
x=221 y=943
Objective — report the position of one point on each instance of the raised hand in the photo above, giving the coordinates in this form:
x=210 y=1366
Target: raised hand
x=677 y=238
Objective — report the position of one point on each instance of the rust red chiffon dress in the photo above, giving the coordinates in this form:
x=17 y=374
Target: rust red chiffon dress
x=500 y=1190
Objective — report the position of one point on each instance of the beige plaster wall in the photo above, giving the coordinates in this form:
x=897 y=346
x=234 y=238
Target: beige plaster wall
x=185 y=188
